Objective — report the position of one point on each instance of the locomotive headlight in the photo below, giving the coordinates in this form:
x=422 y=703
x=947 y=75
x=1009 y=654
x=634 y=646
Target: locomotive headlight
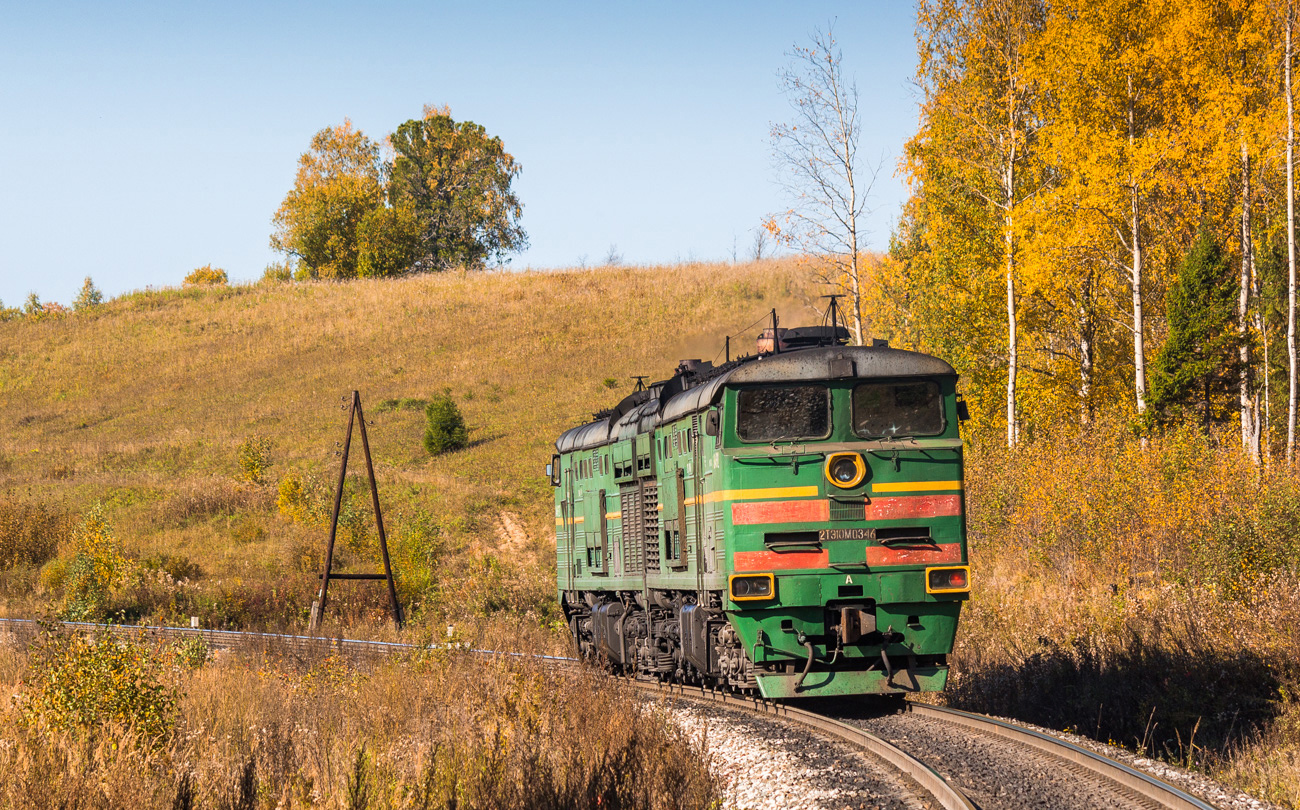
x=752 y=586
x=845 y=470
x=950 y=579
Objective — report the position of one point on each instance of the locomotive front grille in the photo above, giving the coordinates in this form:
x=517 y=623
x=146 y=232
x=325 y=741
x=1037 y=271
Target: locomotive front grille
x=848 y=510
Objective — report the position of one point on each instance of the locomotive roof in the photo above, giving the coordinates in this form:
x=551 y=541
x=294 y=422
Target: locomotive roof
x=690 y=391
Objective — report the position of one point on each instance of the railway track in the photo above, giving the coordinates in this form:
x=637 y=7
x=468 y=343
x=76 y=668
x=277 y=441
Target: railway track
x=959 y=760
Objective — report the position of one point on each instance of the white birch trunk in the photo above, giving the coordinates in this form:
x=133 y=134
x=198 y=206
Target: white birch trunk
x=1249 y=429
x=1290 y=245
x=1139 y=348
x=1008 y=223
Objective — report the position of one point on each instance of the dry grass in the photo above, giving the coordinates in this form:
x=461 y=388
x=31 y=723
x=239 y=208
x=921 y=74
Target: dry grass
x=150 y=403
x=441 y=731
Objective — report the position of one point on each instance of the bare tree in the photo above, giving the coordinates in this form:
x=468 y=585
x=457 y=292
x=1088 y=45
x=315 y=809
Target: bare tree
x=613 y=258
x=817 y=154
x=759 y=247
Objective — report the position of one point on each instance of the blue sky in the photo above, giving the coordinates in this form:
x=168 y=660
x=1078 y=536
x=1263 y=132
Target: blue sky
x=139 y=141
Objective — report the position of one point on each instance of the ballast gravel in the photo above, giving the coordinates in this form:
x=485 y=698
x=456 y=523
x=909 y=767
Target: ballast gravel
x=1199 y=785
x=997 y=773
x=774 y=765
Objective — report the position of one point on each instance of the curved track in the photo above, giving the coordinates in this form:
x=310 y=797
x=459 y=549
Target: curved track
x=1088 y=778
x=940 y=791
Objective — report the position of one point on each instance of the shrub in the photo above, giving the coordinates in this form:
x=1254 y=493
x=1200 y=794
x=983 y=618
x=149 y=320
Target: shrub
x=89 y=297
x=207 y=275
x=177 y=566
x=445 y=427
x=254 y=458
x=76 y=681
x=294 y=497
x=97 y=567
x=277 y=272
x=29 y=533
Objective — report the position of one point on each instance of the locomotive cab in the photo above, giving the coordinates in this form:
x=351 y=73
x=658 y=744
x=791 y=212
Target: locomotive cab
x=847 y=495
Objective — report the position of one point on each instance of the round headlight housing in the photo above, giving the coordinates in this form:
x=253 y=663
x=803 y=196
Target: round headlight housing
x=845 y=470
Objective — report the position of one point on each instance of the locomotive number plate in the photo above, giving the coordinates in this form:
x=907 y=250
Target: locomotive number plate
x=846 y=534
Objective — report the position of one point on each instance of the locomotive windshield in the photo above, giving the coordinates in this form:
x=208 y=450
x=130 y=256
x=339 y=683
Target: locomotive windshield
x=885 y=410
x=785 y=412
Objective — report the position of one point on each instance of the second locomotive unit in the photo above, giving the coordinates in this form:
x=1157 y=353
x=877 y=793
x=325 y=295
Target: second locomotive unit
x=790 y=522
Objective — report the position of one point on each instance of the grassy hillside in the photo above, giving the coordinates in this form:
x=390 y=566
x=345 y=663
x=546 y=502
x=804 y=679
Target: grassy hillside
x=142 y=406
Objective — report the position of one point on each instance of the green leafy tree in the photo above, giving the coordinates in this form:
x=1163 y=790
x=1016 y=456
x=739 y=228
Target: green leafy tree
x=340 y=181
x=1197 y=368
x=388 y=242
x=89 y=297
x=456 y=180
x=445 y=426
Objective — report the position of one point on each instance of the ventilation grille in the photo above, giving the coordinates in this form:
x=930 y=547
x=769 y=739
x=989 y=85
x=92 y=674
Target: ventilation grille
x=650 y=526
x=633 y=543
x=848 y=510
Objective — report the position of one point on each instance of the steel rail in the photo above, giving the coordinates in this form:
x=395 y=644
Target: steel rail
x=1146 y=785
x=946 y=795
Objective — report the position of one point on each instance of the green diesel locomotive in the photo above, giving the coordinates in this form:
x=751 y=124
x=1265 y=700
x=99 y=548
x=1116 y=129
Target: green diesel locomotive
x=791 y=522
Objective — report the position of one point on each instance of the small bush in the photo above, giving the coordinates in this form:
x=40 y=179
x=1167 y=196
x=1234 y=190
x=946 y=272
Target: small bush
x=445 y=427
x=29 y=533
x=610 y=382
x=53 y=575
x=89 y=297
x=278 y=272
x=191 y=653
x=296 y=497
x=97 y=567
x=207 y=275
x=76 y=681
x=254 y=458
x=177 y=566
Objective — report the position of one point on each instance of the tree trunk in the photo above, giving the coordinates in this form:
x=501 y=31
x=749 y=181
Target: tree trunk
x=1290 y=246
x=1009 y=190
x=855 y=282
x=1249 y=418
x=1086 y=348
x=1139 y=349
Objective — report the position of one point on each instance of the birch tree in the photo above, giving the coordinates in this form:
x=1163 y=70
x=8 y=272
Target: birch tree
x=817 y=156
x=1110 y=139
x=972 y=73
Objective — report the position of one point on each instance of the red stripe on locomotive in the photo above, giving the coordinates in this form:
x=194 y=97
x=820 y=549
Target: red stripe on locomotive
x=914 y=555
x=914 y=506
x=905 y=507
x=781 y=561
x=744 y=514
